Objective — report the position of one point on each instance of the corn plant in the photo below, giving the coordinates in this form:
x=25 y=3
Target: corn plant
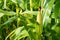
x=29 y=19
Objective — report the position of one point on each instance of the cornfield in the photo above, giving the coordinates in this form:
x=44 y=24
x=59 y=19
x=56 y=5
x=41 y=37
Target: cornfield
x=29 y=19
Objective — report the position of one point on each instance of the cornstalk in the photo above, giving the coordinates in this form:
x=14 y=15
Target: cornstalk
x=39 y=20
x=31 y=5
x=4 y=3
x=17 y=11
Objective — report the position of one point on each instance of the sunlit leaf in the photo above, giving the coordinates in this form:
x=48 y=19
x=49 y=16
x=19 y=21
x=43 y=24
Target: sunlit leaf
x=30 y=12
x=19 y=34
x=47 y=11
x=7 y=12
x=1 y=14
x=23 y=34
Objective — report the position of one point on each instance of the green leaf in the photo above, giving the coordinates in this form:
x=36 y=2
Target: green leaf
x=18 y=33
x=30 y=12
x=47 y=12
x=5 y=5
x=56 y=28
x=1 y=14
x=36 y=4
x=57 y=9
x=21 y=3
x=23 y=34
x=9 y=13
x=14 y=1
x=9 y=20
